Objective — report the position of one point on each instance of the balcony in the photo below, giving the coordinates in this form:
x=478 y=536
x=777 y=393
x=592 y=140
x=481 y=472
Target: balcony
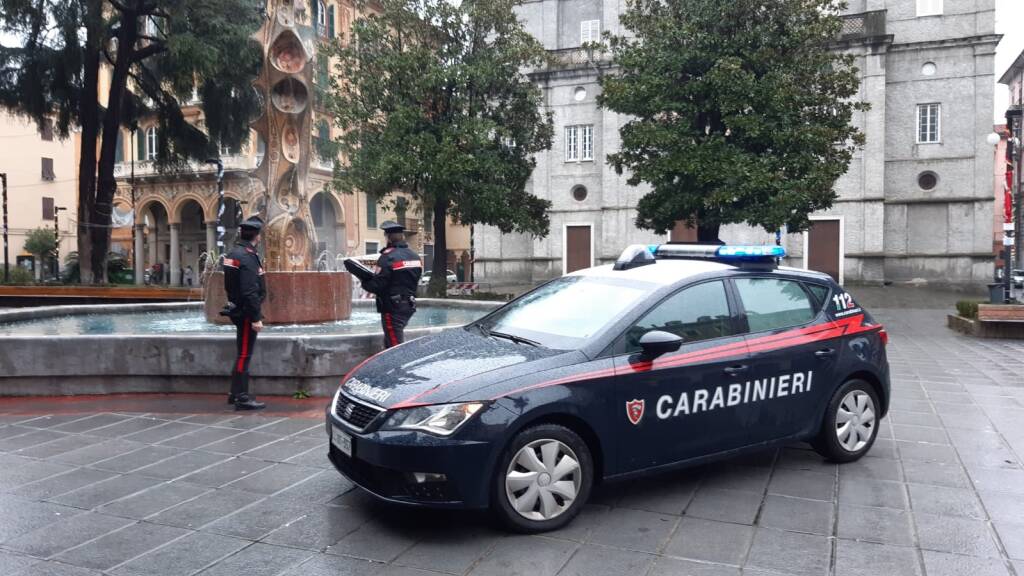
x=147 y=168
x=575 y=58
x=863 y=26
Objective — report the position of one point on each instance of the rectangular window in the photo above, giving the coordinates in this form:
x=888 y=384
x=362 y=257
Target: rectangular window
x=590 y=31
x=428 y=220
x=47 y=208
x=428 y=257
x=151 y=144
x=330 y=21
x=579 y=142
x=929 y=7
x=928 y=125
x=48 y=169
x=119 y=147
x=46 y=130
x=372 y=247
x=371 y=212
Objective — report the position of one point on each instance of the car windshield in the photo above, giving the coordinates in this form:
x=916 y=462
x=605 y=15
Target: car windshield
x=565 y=313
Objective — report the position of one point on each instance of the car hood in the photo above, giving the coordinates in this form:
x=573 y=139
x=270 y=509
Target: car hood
x=448 y=366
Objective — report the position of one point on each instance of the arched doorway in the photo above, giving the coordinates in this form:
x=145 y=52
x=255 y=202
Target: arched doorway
x=157 y=252
x=191 y=241
x=330 y=230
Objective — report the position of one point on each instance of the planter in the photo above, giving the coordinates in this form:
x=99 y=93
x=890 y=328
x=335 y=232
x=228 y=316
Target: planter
x=987 y=328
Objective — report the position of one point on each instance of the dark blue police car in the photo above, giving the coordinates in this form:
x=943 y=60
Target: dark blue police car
x=675 y=355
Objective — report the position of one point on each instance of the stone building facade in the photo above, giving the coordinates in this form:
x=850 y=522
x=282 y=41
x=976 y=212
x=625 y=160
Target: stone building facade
x=914 y=206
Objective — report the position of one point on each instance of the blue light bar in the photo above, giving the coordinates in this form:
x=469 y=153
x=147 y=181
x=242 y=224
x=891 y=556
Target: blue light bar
x=750 y=252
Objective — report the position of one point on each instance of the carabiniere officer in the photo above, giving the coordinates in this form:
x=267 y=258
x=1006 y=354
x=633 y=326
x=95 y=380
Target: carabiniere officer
x=394 y=284
x=246 y=290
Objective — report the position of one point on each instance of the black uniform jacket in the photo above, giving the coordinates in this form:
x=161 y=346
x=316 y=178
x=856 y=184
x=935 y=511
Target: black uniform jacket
x=398 y=275
x=243 y=281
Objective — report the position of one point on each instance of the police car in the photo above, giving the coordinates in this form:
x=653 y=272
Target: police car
x=675 y=355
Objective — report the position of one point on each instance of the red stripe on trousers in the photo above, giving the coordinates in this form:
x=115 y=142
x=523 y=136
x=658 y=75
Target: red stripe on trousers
x=391 y=329
x=245 y=346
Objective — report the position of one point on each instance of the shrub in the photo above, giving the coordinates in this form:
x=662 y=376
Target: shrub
x=19 y=275
x=967 y=308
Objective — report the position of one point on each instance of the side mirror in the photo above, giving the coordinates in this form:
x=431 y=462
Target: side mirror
x=658 y=342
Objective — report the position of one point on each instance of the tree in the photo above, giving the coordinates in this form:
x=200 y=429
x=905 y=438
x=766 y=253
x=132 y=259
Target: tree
x=740 y=110
x=156 y=53
x=40 y=242
x=434 y=104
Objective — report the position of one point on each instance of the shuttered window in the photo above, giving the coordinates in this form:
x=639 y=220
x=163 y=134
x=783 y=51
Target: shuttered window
x=47 y=208
x=48 y=169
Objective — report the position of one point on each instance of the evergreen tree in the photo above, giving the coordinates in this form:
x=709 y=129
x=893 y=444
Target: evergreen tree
x=155 y=53
x=434 y=103
x=740 y=110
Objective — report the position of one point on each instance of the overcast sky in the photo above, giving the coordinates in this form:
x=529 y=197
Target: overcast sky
x=1009 y=23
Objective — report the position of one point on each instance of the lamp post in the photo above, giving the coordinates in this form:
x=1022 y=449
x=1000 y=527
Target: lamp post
x=56 y=244
x=7 y=265
x=135 y=128
x=220 y=204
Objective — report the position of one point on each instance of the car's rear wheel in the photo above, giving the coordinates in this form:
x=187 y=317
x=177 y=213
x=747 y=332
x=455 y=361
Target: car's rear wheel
x=543 y=479
x=850 y=425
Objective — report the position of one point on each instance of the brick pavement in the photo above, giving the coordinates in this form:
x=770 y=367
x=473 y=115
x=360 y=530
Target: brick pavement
x=218 y=494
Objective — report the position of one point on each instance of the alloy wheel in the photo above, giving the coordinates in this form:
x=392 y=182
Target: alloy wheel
x=543 y=479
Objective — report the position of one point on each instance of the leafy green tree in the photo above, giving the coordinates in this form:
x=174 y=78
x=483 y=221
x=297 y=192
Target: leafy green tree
x=41 y=242
x=434 y=103
x=155 y=53
x=740 y=110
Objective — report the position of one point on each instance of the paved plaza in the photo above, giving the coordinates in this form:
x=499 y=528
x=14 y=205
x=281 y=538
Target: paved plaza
x=87 y=490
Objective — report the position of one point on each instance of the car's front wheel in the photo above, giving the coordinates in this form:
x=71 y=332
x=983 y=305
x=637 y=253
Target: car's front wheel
x=543 y=479
x=851 y=422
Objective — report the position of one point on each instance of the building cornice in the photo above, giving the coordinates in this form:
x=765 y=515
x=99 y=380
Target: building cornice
x=983 y=40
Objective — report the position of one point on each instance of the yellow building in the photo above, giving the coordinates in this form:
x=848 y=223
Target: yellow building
x=41 y=181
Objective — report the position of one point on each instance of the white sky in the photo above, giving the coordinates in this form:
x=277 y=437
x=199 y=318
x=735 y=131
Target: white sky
x=1009 y=23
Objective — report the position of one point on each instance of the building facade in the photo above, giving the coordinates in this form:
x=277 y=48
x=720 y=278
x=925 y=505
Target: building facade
x=42 y=183
x=914 y=206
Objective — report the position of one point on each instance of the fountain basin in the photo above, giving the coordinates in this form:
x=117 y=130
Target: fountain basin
x=117 y=358
x=292 y=297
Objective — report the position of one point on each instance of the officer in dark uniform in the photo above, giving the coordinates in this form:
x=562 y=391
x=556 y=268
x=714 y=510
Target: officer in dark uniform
x=246 y=290
x=394 y=284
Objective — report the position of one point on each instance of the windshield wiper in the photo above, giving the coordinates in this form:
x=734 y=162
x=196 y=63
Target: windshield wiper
x=514 y=338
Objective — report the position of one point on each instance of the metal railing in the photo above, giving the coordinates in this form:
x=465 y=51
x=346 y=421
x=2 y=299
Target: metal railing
x=863 y=25
x=148 y=167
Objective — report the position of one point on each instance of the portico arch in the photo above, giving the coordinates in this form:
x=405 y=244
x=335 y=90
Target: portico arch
x=328 y=215
x=152 y=225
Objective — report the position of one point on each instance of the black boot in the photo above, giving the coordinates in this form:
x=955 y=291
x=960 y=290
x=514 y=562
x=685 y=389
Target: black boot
x=231 y=398
x=246 y=402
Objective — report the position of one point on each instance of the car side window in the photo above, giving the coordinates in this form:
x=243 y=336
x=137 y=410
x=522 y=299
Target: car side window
x=820 y=293
x=773 y=303
x=696 y=313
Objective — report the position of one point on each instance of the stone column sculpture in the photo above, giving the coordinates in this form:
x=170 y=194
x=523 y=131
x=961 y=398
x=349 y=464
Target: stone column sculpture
x=289 y=46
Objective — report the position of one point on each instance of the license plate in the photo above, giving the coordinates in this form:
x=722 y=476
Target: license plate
x=342 y=441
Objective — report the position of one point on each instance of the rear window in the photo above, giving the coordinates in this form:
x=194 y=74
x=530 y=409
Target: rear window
x=820 y=293
x=773 y=303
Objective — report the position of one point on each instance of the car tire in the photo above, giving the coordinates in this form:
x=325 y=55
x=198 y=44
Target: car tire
x=850 y=425
x=541 y=485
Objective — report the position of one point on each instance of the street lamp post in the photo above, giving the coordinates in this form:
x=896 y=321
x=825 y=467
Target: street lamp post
x=220 y=204
x=56 y=244
x=134 y=215
x=7 y=265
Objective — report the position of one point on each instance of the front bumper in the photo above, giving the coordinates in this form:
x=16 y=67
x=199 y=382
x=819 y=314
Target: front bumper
x=384 y=463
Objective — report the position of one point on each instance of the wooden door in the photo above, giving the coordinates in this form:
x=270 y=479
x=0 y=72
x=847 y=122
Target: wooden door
x=822 y=247
x=577 y=248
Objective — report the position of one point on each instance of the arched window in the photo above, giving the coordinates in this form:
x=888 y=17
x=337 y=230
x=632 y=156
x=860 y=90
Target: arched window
x=151 y=143
x=321 y=17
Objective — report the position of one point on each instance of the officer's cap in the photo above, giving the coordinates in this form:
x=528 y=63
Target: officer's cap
x=390 y=226
x=252 y=223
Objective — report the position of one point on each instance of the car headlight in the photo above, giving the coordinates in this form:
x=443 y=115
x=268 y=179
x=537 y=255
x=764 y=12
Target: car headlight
x=440 y=419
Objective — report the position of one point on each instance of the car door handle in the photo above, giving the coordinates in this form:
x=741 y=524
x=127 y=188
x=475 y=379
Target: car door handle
x=738 y=369
x=825 y=353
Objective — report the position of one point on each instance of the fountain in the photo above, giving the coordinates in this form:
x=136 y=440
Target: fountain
x=183 y=347
x=289 y=237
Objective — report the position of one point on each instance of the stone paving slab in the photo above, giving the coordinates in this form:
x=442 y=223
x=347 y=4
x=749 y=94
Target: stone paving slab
x=136 y=490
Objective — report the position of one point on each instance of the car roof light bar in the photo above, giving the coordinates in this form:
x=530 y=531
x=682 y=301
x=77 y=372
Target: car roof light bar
x=641 y=255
